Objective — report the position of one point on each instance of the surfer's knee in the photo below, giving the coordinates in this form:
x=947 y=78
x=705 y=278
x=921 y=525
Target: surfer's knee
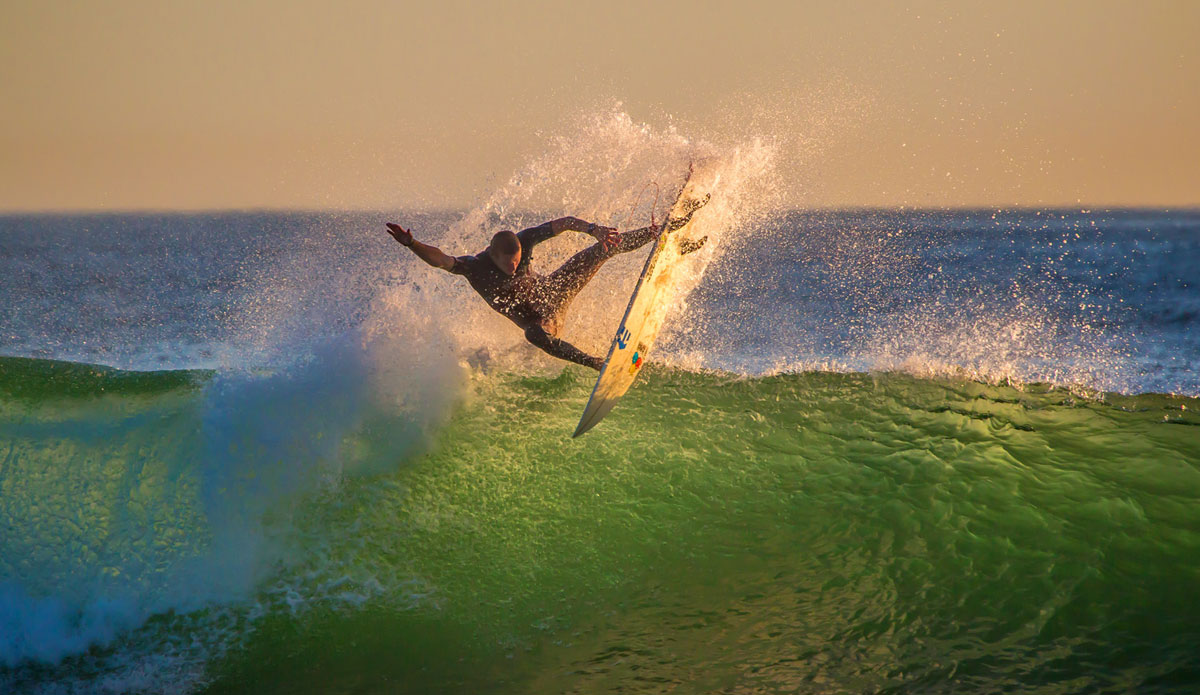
x=597 y=253
x=536 y=335
x=539 y=336
x=553 y=346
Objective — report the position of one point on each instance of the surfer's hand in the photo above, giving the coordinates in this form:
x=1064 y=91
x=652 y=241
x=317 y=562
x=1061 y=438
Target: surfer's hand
x=400 y=234
x=607 y=236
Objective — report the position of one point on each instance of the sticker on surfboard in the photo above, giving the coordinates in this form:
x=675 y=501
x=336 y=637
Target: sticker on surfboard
x=647 y=308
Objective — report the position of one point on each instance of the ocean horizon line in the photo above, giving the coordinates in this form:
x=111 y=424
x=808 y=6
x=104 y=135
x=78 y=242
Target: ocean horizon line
x=435 y=210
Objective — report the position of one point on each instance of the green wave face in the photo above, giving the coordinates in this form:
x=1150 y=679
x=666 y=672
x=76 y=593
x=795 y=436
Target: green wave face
x=94 y=472
x=814 y=533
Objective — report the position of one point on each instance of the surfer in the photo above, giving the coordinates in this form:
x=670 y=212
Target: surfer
x=501 y=274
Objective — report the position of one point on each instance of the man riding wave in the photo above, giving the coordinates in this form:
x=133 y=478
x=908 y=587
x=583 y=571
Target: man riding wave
x=501 y=274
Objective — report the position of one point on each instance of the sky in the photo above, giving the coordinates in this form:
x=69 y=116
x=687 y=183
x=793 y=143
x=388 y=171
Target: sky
x=130 y=105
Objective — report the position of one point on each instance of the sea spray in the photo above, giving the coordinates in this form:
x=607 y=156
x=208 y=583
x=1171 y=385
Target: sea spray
x=996 y=296
x=608 y=169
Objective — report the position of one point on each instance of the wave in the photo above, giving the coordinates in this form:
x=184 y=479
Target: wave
x=173 y=529
x=376 y=491
x=129 y=496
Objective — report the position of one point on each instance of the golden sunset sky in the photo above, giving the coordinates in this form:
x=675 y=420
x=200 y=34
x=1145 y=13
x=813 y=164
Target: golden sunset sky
x=364 y=104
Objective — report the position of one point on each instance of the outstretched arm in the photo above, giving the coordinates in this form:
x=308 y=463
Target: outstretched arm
x=561 y=348
x=573 y=224
x=535 y=235
x=605 y=235
x=430 y=254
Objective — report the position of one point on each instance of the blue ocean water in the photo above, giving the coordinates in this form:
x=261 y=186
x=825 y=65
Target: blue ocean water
x=902 y=451
x=1105 y=299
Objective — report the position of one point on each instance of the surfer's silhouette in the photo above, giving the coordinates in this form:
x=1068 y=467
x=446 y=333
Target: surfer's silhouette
x=538 y=303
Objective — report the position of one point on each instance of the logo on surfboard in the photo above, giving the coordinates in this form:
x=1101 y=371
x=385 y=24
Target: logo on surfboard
x=622 y=337
x=636 y=361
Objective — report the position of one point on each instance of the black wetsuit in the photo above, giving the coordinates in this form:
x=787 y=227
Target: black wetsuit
x=535 y=302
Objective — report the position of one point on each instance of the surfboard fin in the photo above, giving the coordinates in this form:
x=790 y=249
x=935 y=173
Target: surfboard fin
x=689 y=245
x=689 y=208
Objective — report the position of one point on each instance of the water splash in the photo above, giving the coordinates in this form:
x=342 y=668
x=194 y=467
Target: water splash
x=599 y=170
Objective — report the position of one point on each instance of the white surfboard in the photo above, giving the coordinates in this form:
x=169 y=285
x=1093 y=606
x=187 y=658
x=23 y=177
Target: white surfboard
x=647 y=308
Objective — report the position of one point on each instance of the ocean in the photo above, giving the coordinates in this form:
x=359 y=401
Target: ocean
x=901 y=451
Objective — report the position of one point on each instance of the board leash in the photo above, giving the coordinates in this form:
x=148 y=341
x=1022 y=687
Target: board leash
x=638 y=199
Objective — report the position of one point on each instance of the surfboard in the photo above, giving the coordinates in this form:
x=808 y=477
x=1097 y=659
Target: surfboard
x=648 y=306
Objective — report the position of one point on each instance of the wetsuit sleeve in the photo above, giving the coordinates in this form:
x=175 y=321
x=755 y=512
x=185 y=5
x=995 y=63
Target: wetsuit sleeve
x=536 y=235
x=460 y=265
x=561 y=348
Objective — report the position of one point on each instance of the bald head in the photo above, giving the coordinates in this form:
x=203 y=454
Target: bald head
x=506 y=242
x=505 y=251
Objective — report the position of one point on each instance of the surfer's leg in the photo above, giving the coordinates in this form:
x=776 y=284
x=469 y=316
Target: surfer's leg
x=566 y=282
x=636 y=239
x=561 y=348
